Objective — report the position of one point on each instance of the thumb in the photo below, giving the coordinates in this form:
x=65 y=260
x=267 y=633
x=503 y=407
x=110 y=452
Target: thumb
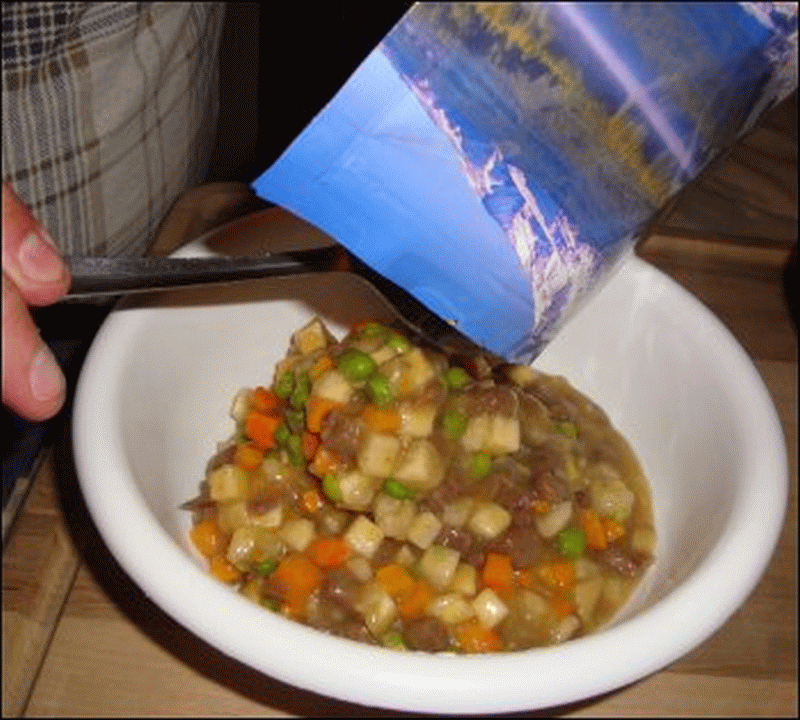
x=30 y=258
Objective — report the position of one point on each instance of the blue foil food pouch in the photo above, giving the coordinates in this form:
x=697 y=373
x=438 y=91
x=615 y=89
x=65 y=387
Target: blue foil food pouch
x=498 y=160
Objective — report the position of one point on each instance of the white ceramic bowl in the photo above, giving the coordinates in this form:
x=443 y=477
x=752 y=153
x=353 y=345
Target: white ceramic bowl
x=153 y=401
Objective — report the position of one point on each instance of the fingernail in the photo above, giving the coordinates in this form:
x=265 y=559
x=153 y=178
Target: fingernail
x=46 y=379
x=39 y=259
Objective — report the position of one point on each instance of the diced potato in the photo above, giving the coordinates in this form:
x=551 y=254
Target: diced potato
x=358 y=489
x=611 y=498
x=360 y=567
x=438 y=565
x=503 y=436
x=489 y=608
x=419 y=466
x=614 y=590
x=313 y=336
x=465 y=580
x=565 y=629
x=585 y=568
x=393 y=516
x=451 y=608
x=298 y=533
x=333 y=386
x=270 y=519
x=240 y=546
x=408 y=372
x=378 y=454
x=457 y=512
x=522 y=375
x=489 y=519
x=554 y=519
x=405 y=556
x=227 y=483
x=240 y=403
x=424 y=529
x=587 y=593
x=417 y=420
x=363 y=536
x=383 y=353
x=231 y=515
x=377 y=607
x=249 y=543
x=476 y=434
x=643 y=540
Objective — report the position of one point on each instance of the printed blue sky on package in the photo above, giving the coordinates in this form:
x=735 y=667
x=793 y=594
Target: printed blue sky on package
x=498 y=160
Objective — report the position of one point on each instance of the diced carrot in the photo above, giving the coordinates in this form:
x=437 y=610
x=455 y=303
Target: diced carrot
x=260 y=428
x=395 y=580
x=266 y=401
x=324 y=462
x=329 y=552
x=593 y=527
x=381 y=419
x=413 y=605
x=312 y=501
x=317 y=409
x=526 y=578
x=208 y=537
x=222 y=569
x=558 y=575
x=498 y=573
x=248 y=456
x=318 y=369
x=474 y=638
x=310 y=444
x=562 y=607
x=300 y=577
x=541 y=507
x=613 y=529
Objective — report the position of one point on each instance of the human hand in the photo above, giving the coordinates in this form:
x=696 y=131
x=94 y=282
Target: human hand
x=33 y=274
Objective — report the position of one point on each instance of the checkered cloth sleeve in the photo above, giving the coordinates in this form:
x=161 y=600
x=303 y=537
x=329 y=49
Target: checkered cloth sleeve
x=109 y=114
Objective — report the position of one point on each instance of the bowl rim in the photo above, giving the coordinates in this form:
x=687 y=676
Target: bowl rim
x=643 y=644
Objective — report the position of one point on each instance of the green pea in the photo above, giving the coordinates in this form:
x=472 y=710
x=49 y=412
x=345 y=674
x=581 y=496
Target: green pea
x=266 y=567
x=393 y=639
x=395 y=489
x=571 y=542
x=284 y=384
x=355 y=365
x=454 y=423
x=281 y=433
x=294 y=444
x=295 y=419
x=379 y=389
x=398 y=343
x=568 y=429
x=331 y=488
x=456 y=377
x=301 y=391
x=480 y=464
x=371 y=330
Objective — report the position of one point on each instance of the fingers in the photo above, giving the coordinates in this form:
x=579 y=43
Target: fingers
x=33 y=274
x=30 y=258
x=33 y=384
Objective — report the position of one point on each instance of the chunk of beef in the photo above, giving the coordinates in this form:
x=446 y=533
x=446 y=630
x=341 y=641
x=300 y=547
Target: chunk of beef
x=428 y=634
x=623 y=561
x=341 y=435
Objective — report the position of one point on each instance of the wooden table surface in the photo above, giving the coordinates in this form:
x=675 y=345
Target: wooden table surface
x=81 y=639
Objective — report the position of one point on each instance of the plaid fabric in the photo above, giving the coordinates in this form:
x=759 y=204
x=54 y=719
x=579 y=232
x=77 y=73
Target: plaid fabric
x=109 y=114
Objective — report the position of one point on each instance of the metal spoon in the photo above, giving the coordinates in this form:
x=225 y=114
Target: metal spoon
x=97 y=276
